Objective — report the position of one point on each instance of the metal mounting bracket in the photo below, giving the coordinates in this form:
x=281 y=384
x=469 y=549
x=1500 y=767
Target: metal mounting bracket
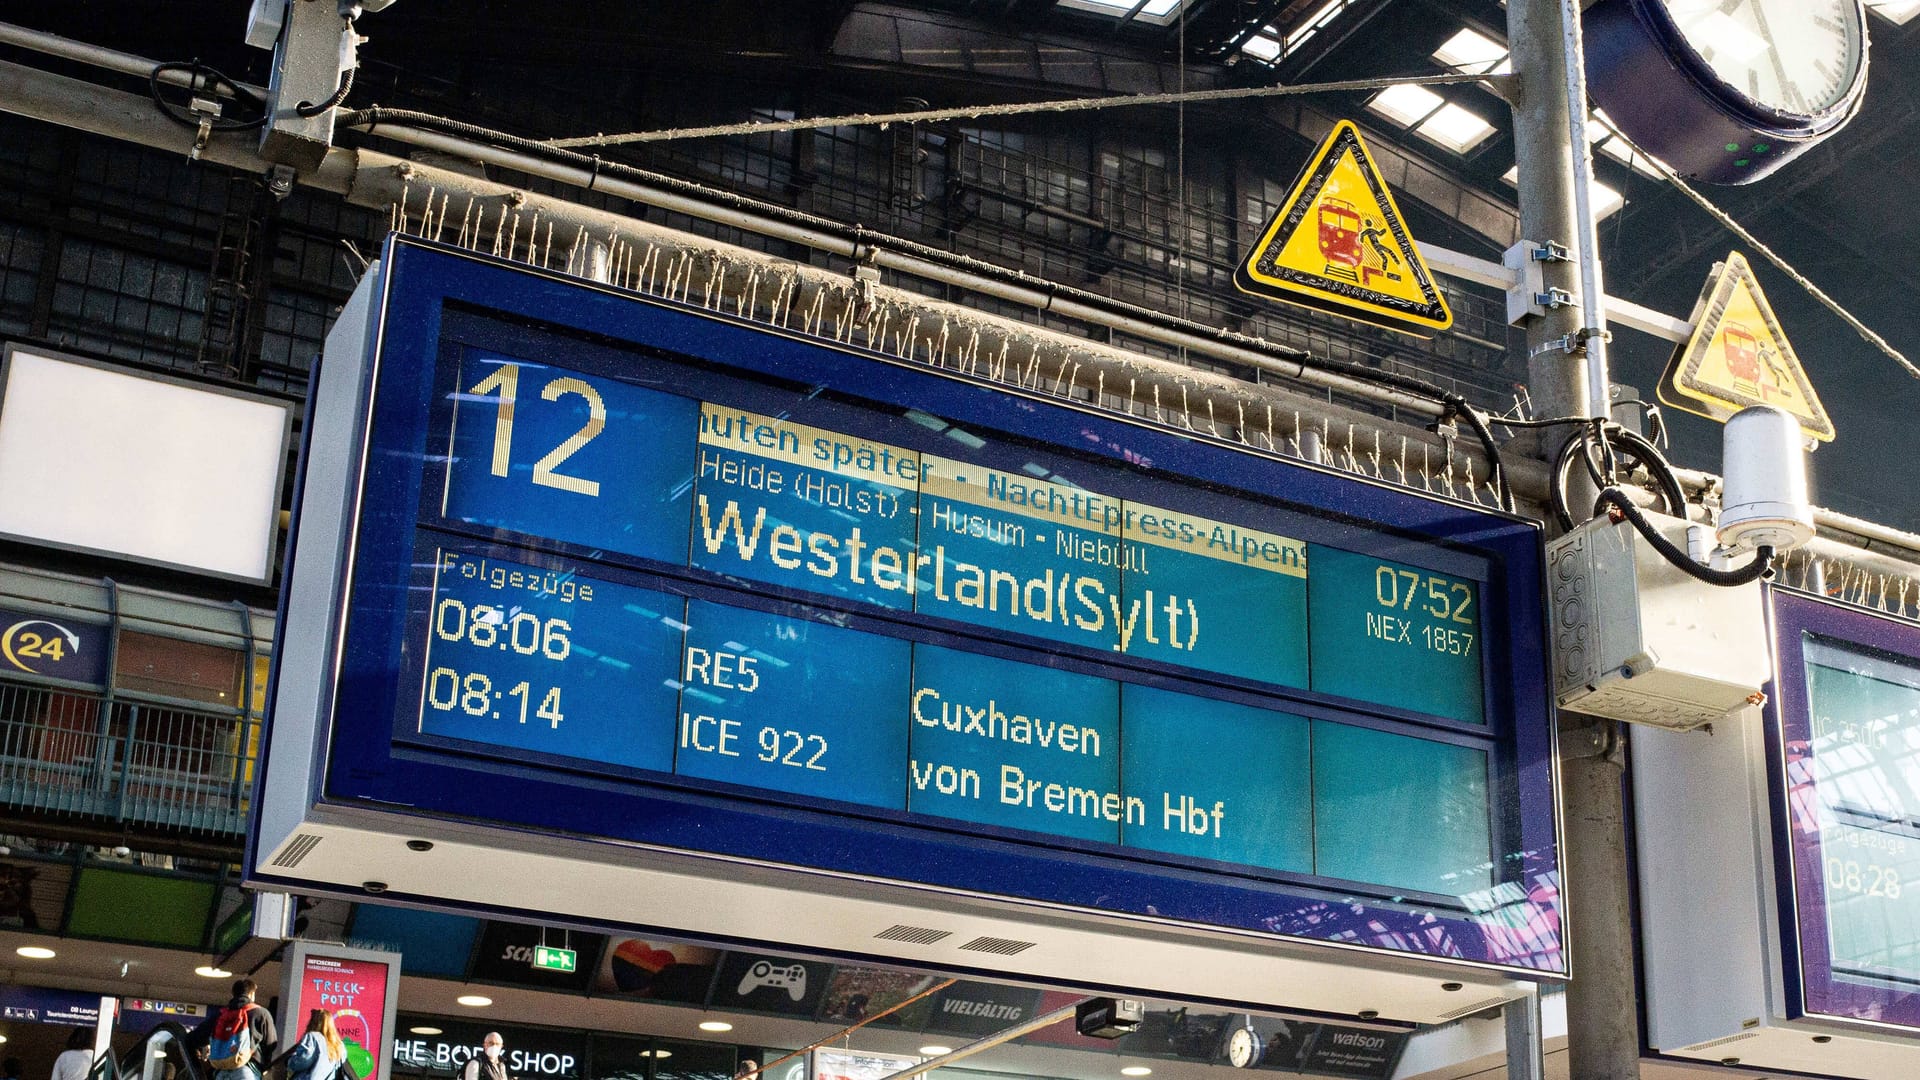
x=1529 y=295
x=1551 y=252
x=205 y=109
x=1573 y=344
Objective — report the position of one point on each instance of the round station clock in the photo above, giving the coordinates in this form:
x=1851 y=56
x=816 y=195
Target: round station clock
x=1243 y=1047
x=1727 y=91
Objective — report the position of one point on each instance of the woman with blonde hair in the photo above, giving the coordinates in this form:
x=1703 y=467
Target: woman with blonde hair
x=320 y=1054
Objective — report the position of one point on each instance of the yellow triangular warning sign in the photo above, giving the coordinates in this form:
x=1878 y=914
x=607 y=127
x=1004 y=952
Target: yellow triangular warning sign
x=1738 y=356
x=1339 y=244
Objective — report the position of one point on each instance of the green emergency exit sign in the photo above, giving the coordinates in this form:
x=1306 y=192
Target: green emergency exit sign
x=550 y=959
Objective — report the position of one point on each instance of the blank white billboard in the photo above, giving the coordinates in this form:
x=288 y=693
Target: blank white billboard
x=108 y=460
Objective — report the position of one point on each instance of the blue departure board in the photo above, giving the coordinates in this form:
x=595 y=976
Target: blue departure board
x=786 y=704
x=662 y=554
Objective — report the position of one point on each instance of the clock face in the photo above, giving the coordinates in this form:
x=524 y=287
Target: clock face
x=1243 y=1047
x=1794 y=56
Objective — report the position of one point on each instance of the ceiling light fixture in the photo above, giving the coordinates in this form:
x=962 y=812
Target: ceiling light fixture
x=715 y=1025
x=35 y=952
x=473 y=1001
x=209 y=971
x=936 y=1051
x=1136 y=1070
x=423 y=1030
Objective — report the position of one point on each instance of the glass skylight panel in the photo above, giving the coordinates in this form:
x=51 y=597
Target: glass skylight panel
x=1896 y=11
x=1406 y=103
x=1328 y=12
x=1455 y=128
x=1605 y=138
x=1605 y=199
x=1159 y=11
x=1618 y=150
x=1474 y=53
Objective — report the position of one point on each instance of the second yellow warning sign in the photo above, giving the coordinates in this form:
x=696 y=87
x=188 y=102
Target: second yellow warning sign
x=1338 y=243
x=1738 y=356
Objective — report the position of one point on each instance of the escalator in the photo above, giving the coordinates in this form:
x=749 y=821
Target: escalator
x=161 y=1055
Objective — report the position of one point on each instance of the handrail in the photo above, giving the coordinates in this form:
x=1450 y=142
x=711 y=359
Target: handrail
x=141 y=1062
x=167 y=767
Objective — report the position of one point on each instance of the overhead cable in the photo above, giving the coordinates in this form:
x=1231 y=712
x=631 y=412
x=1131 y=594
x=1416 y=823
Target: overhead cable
x=1453 y=404
x=1727 y=221
x=1019 y=108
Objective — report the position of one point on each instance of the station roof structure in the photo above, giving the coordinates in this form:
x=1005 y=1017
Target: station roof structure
x=1839 y=214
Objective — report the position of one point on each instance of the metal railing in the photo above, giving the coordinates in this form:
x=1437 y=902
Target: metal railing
x=75 y=753
x=161 y=1055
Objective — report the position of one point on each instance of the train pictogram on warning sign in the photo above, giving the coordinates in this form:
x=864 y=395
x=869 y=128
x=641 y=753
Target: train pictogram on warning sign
x=1738 y=356
x=1339 y=244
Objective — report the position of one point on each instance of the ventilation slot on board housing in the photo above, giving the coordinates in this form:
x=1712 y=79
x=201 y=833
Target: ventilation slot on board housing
x=1722 y=1042
x=296 y=849
x=1469 y=1010
x=999 y=945
x=913 y=935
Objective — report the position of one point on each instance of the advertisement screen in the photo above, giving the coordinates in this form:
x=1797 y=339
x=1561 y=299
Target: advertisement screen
x=358 y=989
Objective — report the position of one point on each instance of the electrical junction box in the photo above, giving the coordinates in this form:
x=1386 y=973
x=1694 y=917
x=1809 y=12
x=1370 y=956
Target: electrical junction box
x=1637 y=639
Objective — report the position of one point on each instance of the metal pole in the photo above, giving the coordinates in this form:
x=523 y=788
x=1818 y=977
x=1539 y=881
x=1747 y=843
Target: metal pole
x=1593 y=294
x=103 y=1027
x=1526 y=1059
x=1567 y=377
x=1543 y=136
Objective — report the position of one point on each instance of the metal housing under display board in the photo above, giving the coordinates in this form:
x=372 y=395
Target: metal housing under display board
x=1777 y=853
x=634 y=615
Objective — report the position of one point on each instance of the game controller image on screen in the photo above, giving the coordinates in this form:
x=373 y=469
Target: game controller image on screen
x=790 y=977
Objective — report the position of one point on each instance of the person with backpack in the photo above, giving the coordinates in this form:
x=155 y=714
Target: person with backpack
x=320 y=1054
x=240 y=1039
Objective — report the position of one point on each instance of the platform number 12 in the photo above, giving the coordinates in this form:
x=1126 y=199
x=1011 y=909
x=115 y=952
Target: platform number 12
x=506 y=382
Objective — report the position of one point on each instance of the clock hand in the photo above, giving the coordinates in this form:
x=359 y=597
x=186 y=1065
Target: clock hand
x=1788 y=87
